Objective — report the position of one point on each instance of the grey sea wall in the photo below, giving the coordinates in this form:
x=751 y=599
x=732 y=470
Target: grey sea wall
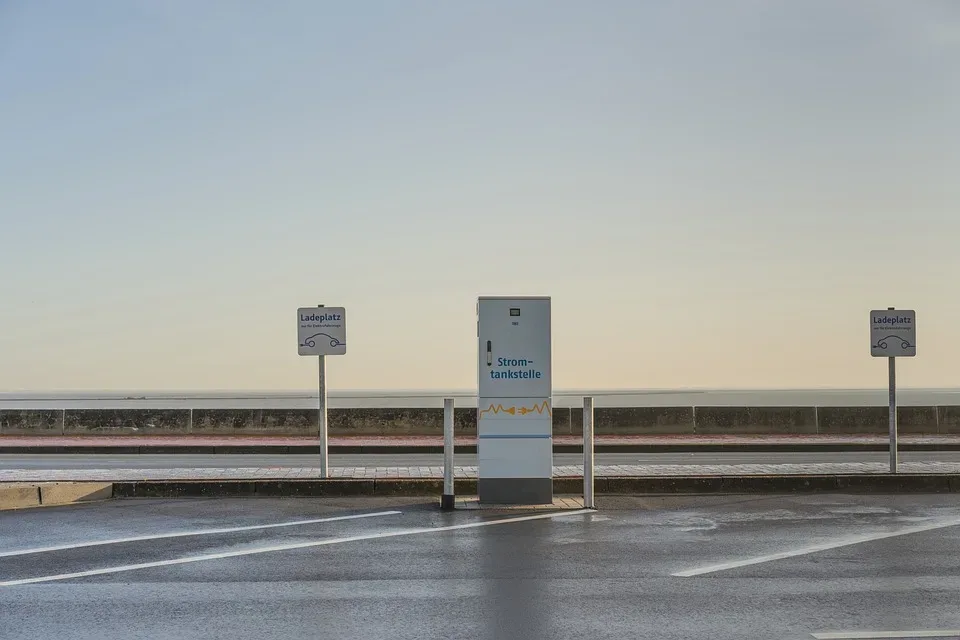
x=704 y=420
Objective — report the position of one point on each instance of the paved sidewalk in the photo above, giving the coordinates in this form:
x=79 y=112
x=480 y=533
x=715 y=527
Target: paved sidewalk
x=652 y=470
x=174 y=441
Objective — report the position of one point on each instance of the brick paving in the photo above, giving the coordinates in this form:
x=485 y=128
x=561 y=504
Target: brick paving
x=641 y=470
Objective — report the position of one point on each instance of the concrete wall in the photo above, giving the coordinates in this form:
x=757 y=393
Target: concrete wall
x=37 y=422
x=123 y=422
x=636 y=420
x=429 y=421
x=875 y=420
x=294 y=422
x=948 y=420
x=756 y=420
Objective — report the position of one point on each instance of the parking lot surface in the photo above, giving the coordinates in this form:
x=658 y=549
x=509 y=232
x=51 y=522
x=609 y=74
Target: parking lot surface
x=805 y=566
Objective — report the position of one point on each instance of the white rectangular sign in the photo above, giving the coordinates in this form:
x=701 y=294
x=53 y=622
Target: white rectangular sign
x=893 y=333
x=322 y=331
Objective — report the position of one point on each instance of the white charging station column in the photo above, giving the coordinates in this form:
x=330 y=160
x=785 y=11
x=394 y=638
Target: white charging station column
x=515 y=393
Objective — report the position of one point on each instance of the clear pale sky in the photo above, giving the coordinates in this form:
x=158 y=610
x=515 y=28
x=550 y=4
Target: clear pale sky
x=714 y=193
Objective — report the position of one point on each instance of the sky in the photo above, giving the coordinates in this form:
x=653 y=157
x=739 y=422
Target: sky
x=714 y=194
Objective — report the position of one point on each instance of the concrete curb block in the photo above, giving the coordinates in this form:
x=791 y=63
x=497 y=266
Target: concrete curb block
x=44 y=494
x=288 y=488
x=854 y=483
x=55 y=493
x=19 y=496
x=760 y=447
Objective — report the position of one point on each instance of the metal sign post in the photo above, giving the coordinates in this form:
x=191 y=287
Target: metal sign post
x=322 y=332
x=892 y=375
x=893 y=334
x=588 y=452
x=322 y=411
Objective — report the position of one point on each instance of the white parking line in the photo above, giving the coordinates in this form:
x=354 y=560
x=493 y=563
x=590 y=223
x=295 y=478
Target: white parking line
x=185 y=534
x=871 y=635
x=844 y=542
x=283 y=547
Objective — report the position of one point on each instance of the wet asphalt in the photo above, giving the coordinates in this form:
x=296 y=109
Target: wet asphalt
x=605 y=574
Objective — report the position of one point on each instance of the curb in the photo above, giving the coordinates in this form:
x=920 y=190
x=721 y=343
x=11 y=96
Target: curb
x=853 y=483
x=787 y=447
x=19 y=496
x=45 y=494
x=287 y=488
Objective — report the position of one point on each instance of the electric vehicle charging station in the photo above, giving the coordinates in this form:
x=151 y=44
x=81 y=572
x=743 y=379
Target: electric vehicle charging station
x=515 y=400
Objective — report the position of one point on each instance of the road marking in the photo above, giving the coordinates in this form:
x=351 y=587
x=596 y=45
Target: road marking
x=869 y=635
x=844 y=542
x=281 y=547
x=185 y=534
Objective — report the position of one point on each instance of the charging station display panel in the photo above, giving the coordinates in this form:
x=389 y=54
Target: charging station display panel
x=515 y=348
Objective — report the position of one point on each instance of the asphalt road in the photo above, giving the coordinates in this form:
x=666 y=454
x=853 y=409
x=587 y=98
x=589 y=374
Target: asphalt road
x=668 y=568
x=170 y=461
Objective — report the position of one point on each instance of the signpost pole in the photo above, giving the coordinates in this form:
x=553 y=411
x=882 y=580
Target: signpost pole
x=322 y=332
x=588 y=452
x=893 y=413
x=322 y=414
x=892 y=369
x=893 y=334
